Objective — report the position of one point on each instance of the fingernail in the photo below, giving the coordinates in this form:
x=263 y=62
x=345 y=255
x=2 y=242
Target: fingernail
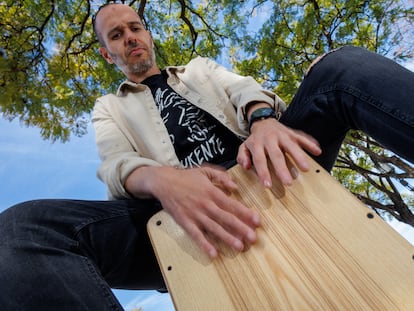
x=212 y=253
x=294 y=172
x=251 y=236
x=238 y=245
x=267 y=184
x=256 y=220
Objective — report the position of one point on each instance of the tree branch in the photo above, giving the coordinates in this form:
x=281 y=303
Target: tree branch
x=183 y=16
x=82 y=27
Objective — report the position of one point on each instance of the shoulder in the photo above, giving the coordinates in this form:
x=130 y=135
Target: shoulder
x=125 y=90
x=105 y=100
x=203 y=61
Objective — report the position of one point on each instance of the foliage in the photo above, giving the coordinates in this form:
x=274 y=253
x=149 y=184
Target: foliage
x=295 y=33
x=51 y=73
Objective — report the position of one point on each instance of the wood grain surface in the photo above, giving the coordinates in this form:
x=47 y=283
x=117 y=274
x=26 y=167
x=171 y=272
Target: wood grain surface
x=319 y=248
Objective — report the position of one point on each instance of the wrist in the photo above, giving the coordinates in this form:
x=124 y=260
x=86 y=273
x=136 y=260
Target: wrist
x=262 y=114
x=145 y=181
x=252 y=106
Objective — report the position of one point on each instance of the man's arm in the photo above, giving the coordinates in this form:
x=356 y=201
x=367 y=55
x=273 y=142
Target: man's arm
x=196 y=198
x=268 y=139
x=198 y=201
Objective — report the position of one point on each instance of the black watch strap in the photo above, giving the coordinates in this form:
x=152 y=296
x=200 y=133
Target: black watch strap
x=261 y=114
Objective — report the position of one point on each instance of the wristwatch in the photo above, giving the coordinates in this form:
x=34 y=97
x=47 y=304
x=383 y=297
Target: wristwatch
x=261 y=114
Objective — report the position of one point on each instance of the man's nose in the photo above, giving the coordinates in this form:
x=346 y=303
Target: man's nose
x=130 y=38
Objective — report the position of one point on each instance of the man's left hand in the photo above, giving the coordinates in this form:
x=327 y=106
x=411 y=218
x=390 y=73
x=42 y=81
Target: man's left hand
x=271 y=140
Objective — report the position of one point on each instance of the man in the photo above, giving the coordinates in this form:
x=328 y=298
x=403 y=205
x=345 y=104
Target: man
x=157 y=138
x=191 y=195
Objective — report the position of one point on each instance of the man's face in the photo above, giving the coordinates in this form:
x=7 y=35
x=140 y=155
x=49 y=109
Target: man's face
x=126 y=42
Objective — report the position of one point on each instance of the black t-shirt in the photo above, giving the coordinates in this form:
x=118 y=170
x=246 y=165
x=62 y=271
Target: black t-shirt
x=196 y=135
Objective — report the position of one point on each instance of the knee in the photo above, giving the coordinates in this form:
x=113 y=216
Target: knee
x=340 y=60
x=24 y=210
x=22 y=217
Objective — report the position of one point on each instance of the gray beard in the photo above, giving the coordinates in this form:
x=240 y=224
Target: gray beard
x=137 y=68
x=141 y=67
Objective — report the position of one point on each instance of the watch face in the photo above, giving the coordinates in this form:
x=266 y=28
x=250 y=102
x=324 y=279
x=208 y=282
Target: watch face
x=265 y=112
x=260 y=114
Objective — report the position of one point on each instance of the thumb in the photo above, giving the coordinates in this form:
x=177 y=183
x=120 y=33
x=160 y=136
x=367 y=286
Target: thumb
x=244 y=157
x=220 y=178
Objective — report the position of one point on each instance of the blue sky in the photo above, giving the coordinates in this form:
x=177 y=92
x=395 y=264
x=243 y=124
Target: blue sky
x=31 y=168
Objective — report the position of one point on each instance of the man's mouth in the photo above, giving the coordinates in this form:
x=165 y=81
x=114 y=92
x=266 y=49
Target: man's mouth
x=136 y=51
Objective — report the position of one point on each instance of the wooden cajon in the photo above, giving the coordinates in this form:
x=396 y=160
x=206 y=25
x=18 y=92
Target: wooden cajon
x=319 y=248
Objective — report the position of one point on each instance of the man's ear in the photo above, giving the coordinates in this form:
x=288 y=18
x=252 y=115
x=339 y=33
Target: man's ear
x=104 y=52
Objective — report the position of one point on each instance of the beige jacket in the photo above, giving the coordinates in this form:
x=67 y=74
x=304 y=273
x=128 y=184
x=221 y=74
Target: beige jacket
x=130 y=132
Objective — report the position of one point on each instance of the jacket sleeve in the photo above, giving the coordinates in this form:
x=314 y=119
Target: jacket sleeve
x=119 y=157
x=242 y=90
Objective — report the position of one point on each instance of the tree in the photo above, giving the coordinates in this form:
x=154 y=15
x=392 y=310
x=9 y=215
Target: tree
x=298 y=31
x=51 y=73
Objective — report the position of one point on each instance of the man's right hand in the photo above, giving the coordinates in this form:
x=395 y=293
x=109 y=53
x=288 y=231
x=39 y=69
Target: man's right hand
x=198 y=200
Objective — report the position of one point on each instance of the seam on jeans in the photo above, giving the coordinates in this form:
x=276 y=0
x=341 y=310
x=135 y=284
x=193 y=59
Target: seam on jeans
x=376 y=102
x=107 y=294
x=78 y=234
x=79 y=227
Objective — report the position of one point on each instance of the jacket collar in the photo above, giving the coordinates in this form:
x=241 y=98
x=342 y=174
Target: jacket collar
x=129 y=86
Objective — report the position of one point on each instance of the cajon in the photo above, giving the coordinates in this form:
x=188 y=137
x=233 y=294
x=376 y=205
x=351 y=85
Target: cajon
x=319 y=248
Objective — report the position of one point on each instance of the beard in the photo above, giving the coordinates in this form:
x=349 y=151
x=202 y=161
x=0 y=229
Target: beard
x=139 y=67
x=142 y=66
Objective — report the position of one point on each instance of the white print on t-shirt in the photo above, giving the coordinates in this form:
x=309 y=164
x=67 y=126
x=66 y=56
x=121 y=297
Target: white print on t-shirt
x=204 y=152
x=206 y=144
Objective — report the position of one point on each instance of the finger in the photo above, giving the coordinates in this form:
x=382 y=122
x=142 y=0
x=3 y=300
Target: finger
x=301 y=142
x=292 y=143
x=224 y=201
x=277 y=159
x=215 y=227
x=244 y=157
x=200 y=239
x=280 y=167
x=220 y=233
x=299 y=157
x=220 y=178
x=259 y=158
x=235 y=217
x=242 y=226
x=308 y=142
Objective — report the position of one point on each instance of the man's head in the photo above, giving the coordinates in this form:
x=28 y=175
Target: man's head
x=125 y=42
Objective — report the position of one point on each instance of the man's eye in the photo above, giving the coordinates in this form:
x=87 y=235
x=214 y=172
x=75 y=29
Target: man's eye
x=116 y=36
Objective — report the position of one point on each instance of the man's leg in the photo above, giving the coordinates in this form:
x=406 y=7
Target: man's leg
x=66 y=254
x=352 y=88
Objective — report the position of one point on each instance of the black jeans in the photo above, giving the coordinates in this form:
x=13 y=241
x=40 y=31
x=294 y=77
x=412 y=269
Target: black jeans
x=352 y=88
x=66 y=254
